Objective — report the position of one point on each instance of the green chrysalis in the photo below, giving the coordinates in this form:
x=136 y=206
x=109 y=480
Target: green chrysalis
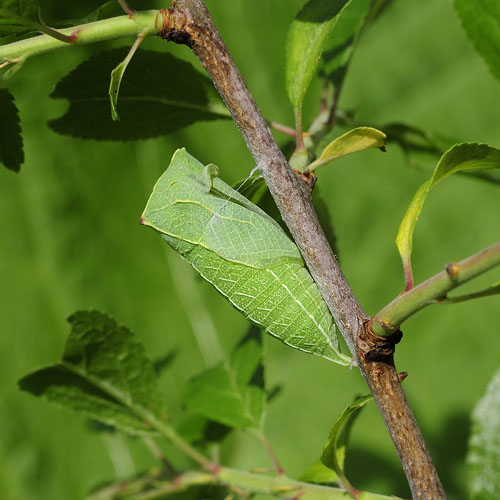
x=244 y=253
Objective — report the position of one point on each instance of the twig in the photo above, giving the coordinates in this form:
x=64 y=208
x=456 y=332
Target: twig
x=386 y=321
x=284 y=129
x=189 y=22
x=279 y=487
x=105 y=29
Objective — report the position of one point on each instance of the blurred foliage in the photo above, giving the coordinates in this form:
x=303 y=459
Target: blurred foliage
x=72 y=241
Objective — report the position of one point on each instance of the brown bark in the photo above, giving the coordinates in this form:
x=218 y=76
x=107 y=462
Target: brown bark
x=189 y=22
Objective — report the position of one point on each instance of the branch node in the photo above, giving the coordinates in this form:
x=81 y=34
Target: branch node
x=308 y=180
x=376 y=348
x=452 y=270
x=174 y=26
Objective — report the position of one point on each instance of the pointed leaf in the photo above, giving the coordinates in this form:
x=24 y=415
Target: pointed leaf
x=11 y=141
x=483 y=455
x=306 y=38
x=333 y=454
x=104 y=373
x=231 y=393
x=480 y=20
x=356 y=140
x=18 y=16
x=461 y=157
x=117 y=75
x=343 y=40
x=159 y=95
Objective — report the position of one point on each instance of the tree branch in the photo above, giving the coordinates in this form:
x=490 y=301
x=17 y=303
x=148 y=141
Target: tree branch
x=408 y=303
x=189 y=22
x=106 y=29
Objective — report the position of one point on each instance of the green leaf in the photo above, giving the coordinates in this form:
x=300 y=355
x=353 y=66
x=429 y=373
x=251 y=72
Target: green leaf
x=356 y=140
x=343 y=40
x=422 y=148
x=19 y=16
x=461 y=157
x=104 y=373
x=117 y=75
x=319 y=473
x=480 y=20
x=232 y=393
x=483 y=455
x=159 y=95
x=11 y=141
x=306 y=39
x=333 y=455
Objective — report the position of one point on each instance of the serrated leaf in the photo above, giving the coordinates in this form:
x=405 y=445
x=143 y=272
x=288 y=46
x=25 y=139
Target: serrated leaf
x=231 y=393
x=343 y=39
x=19 y=16
x=461 y=157
x=104 y=373
x=483 y=455
x=355 y=140
x=480 y=21
x=159 y=95
x=333 y=454
x=306 y=39
x=11 y=141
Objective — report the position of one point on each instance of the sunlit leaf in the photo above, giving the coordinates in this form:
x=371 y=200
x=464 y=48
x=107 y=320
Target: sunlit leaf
x=353 y=141
x=483 y=455
x=231 y=393
x=480 y=20
x=158 y=95
x=104 y=373
x=461 y=157
x=306 y=39
x=11 y=141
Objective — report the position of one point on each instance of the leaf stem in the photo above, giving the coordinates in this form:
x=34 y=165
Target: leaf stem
x=267 y=446
x=284 y=129
x=387 y=320
x=106 y=29
x=184 y=446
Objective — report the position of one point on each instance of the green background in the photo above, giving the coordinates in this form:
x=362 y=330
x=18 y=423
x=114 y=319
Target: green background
x=71 y=240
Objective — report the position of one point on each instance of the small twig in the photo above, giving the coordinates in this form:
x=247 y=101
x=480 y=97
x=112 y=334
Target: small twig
x=10 y=61
x=283 y=129
x=333 y=107
x=388 y=320
x=267 y=446
x=127 y=9
x=58 y=35
x=159 y=455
